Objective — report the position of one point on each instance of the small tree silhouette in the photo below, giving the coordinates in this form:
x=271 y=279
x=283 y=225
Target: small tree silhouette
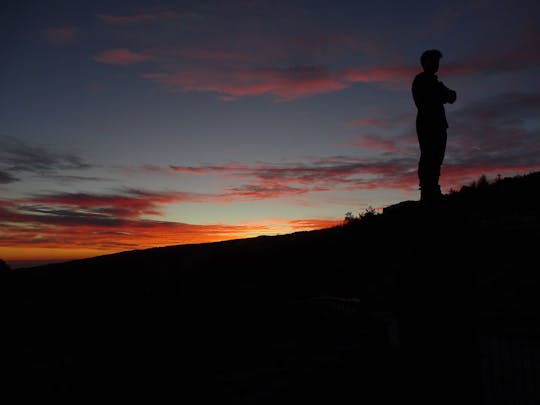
x=481 y=183
x=4 y=266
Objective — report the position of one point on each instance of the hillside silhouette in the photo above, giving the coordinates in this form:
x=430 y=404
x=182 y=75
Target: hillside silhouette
x=392 y=306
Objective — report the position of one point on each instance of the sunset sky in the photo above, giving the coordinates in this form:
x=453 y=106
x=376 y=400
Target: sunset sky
x=134 y=124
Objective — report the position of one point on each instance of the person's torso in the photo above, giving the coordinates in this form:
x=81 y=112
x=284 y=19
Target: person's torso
x=429 y=100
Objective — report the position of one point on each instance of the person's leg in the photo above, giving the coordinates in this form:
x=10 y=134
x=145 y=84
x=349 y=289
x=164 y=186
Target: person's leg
x=439 y=150
x=432 y=151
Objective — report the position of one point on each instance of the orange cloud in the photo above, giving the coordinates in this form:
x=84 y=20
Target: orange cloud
x=314 y=224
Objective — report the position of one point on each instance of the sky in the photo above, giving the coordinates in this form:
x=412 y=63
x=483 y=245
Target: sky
x=134 y=124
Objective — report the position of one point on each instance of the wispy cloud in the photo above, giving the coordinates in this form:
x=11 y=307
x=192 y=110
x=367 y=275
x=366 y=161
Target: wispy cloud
x=496 y=135
x=143 y=15
x=130 y=203
x=115 y=222
x=283 y=84
x=17 y=156
x=371 y=122
x=376 y=143
x=380 y=74
x=6 y=177
x=266 y=180
x=121 y=57
x=60 y=35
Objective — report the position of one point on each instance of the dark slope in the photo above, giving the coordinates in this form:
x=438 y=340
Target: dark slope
x=293 y=317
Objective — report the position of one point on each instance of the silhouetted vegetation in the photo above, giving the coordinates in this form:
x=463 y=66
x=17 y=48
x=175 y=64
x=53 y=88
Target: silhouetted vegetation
x=367 y=214
x=4 y=266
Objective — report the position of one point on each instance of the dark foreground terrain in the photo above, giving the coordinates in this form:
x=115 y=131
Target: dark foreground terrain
x=421 y=304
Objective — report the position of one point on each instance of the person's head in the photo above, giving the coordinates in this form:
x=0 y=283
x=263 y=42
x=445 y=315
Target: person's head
x=430 y=60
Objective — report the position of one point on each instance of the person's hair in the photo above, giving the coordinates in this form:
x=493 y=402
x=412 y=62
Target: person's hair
x=430 y=54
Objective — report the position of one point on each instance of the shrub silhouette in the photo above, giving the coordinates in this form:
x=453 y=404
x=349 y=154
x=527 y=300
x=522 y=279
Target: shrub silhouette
x=4 y=266
x=368 y=213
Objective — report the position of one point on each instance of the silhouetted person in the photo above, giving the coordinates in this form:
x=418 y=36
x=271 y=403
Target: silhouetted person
x=430 y=95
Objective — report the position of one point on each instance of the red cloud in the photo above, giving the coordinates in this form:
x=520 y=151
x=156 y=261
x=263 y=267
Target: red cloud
x=121 y=57
x=83 y=223
x=132 y=204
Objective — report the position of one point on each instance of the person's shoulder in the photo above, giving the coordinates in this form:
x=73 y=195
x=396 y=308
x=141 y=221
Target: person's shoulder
x=419 y=79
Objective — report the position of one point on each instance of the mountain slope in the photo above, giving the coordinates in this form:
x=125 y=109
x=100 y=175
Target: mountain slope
x=489 y=228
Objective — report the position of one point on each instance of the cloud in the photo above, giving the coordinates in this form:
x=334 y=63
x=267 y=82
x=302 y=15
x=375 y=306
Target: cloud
x=267 y=180
x=121 y=57
x=375 y=143
x=131 y=203
x=391 y=74
x=67 y=219
x=143 y=16
x=284 y=84
x=505 y=109
x=473 y=150
x=206 y=54
x=6 y=178
x=60 y=35
x=496 y=135
x=115 y=222
x=194 y=50
x=502 y=128
x=371 y=122
x=17 y=156
x=314 y=223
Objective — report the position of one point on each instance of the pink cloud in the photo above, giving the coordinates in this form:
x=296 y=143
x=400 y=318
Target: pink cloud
x=121 y=57
x=60 y=35
x=264 y=190
x=266 y=180
x=283 y=84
